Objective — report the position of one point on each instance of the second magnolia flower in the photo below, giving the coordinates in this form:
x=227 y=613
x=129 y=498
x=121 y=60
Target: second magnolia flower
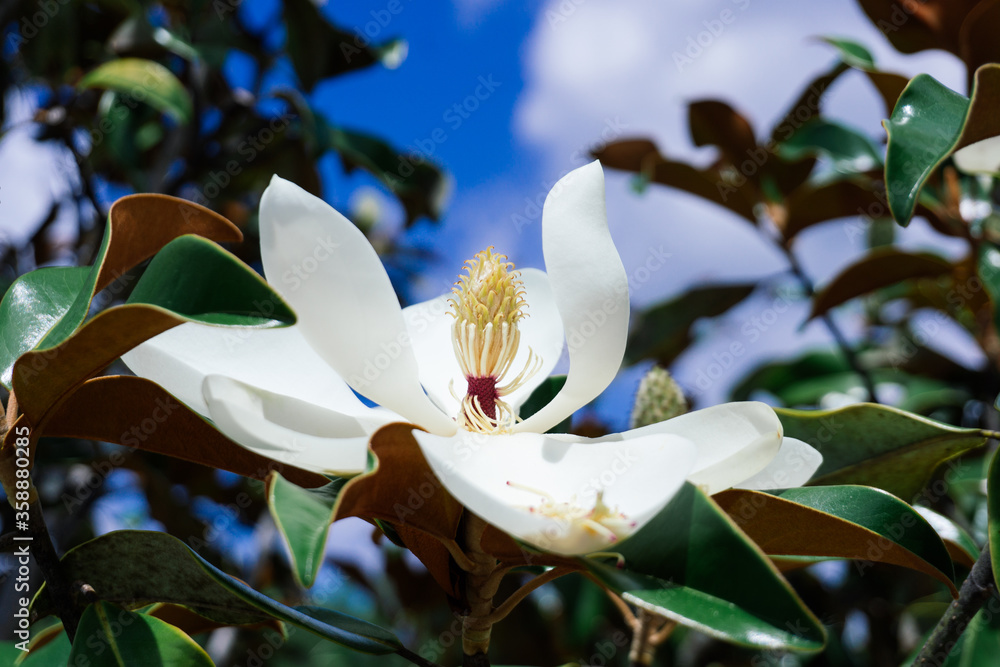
x=288 y=394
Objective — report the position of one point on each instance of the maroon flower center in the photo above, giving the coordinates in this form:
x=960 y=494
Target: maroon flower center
x=485 y=389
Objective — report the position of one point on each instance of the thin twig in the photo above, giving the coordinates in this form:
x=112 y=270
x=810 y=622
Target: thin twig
x=460 y=557
x=415 y=658
x=44 y=553
x=975 y=591
x=517 y=596
x=850 y=355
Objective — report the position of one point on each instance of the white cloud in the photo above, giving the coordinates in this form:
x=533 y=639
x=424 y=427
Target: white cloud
x=636 y=64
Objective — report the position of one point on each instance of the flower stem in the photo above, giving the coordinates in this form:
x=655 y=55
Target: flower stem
x=480 y=588
x=975 y=591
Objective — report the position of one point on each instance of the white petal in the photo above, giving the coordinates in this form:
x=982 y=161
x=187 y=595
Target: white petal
x=591 y=291
x=982 y=157
x=794 y=465
x=541 y=330
x=735 y=441
x=280 y=360
x=348 y=312
x=637 y=477
x=287 y=429
x=430 y=328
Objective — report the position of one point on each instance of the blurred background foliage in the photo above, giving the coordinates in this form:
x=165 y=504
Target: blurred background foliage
x=137 y=95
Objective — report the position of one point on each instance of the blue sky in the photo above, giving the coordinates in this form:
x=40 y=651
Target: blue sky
x=564 y=75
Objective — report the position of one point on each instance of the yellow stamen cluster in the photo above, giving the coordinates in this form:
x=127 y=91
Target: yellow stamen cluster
x=487 y=304
x=601 y=520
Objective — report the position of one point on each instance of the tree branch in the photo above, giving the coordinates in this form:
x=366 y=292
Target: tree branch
x=850 y=355
x=975 y=591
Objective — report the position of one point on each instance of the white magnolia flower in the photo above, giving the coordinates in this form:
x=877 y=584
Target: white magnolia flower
x=460 y=366
x=981 y=157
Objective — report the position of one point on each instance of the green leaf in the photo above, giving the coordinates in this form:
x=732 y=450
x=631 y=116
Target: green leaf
x=989 y=272
x=961 y=546
x=48 y=647
x=849 y=151
x=929 y=123
x=303 y=517
x=993 y=506
x=320 y=50
x=691 y=564
x=143 y=80
x=137 y=227
x=191 y=279
x=852 y=53
x=541 y=396
x=664 y=331
x=195 y=278
x=882 y=514
x=117 y=565
x=876 y=445
x=835 y=522
x=418 y=183
x=783 y=378
x=32 y=306
x=112 y=636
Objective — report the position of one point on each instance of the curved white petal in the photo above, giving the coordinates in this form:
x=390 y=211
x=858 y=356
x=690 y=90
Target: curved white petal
x=590 y=288
x=735 y=441
x=982 y=157
x=430 y=328
x=541 y=331
x=287 y=429
x=279 y=360
x=348 y=312
x=794 y=465
x=501 y=478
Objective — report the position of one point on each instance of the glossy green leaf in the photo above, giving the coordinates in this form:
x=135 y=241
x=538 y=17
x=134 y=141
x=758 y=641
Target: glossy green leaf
x=195 y=278
x=961 y=546
x=876 y=445
x=929 y=123
x=848 y=150
x=117 y=564
x=838 y=522
x=109 y=636
x=993 y=505
x=48 y=647
x=883 y=514
x=32 y=306
x=143 y=80
x=664 y=331
x=303 y=517
x=191 y=279
x=137 y=227
x=691 y=564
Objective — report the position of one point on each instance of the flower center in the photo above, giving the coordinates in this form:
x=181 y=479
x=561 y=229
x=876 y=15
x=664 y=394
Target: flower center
x=603 y=521
x=487 y=304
